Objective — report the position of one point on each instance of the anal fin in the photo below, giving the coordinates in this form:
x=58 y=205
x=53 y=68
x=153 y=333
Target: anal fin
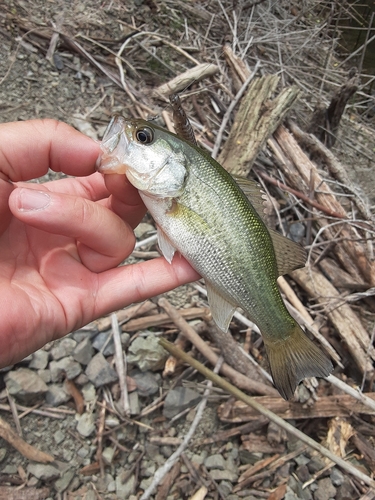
x=222 y=310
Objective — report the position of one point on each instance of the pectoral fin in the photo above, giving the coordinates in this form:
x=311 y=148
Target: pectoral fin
x=166 y=247
x=222 y=310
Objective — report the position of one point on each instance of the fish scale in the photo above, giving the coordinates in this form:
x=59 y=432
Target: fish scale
x=203 y=213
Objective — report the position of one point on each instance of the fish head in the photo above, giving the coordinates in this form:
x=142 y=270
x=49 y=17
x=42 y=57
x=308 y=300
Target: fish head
x=146 y=154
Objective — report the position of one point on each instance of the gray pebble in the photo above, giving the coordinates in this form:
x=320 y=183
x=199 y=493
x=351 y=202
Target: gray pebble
x=124 y=487
x=40 y=360
x=84 y=352
x=325 y=490
x=45 y=375
x=104 y=340
x=57 y=395
x=337 y=477
x=225 y=488
x=25 y=385
x=59 y=437
x=147 y=353
x=44 y=472
x=64 y=367
x=64 y=481
x=3 y=453
x=148 y=383
x=63 y=348
x=178 y=400
x=100 y=372
x=86 y=424
x=215 y=462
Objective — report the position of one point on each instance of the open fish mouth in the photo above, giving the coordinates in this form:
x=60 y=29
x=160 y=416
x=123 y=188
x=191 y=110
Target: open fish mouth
x=114 y=146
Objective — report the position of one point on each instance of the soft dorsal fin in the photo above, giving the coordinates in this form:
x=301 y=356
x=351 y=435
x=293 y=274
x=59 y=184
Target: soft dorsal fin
x=289 y=254
x=254 y=193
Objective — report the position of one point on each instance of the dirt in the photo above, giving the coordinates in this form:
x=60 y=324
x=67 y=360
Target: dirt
x=71 y=89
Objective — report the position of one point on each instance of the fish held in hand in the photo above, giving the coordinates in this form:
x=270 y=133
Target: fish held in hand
x=204 y=213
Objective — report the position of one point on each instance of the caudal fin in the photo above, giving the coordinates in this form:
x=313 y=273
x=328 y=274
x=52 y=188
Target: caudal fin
x=294 y=359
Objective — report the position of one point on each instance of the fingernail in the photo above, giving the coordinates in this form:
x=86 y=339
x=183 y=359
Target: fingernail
x=30 y=199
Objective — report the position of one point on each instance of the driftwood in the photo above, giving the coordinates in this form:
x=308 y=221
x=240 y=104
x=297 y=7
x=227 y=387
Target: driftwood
x=257 y=118
x=326 y=406
x=183 y=80
x=342 y=316
x=325 y=122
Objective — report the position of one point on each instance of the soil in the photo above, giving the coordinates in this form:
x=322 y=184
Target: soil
x=72 y=89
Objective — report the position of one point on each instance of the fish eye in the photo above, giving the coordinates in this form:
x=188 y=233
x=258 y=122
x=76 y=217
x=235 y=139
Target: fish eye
x=144 y=135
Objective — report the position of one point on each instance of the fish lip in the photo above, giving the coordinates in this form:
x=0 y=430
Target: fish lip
x=114 y=146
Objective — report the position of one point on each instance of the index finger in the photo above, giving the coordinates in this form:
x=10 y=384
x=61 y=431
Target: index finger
x=28 y=149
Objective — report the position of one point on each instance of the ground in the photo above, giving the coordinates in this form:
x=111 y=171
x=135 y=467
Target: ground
x=290 y=39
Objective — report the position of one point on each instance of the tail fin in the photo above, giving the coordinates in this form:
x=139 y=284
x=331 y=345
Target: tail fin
x=294 y=359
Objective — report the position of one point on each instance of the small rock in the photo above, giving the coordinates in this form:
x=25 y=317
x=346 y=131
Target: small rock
x=337 y=477
x=64 y=481
x=104 y=340
x=215 y=462
x=86 y=424
x=3 y=453
x=325 y=490
x=89 y=392
x=147 y=353
x=45 y=375
x=225 y=488
x=303 y=473
x=124 y=487
x=59 y=437
x=56 y=395
x=9 y=469
x=315 y=464
x=179 y=399
x=63 y=348
x=84 y=352
x=25 y=385
x=108 y=454
x=45 y=472
x=65 y=367
x=125 y=339
x=302 y=460
x=40 y=360
x=82 y=379
x=100 y=372
x=147 y=383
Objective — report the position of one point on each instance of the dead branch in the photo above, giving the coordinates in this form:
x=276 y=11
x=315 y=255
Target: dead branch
x=324 y=407
x=240 y=380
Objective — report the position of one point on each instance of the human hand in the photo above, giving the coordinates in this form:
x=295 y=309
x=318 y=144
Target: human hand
x=60 y=241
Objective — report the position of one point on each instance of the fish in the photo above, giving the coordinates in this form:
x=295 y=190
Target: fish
x=215 y=221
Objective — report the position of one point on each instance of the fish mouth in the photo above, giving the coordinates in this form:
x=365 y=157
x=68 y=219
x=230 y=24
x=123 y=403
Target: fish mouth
x=114 y=146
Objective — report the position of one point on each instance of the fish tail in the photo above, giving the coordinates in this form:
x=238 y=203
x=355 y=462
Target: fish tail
x=293 y=359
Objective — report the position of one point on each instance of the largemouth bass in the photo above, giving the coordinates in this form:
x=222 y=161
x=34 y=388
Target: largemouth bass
x=204 y=213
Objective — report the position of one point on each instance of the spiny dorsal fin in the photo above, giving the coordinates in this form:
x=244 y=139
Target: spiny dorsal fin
x=289 y=254
x=254 y=193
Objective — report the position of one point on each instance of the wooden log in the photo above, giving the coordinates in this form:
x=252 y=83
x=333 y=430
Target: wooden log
x=257 y=118
x=342 y=316
x=341 y=405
